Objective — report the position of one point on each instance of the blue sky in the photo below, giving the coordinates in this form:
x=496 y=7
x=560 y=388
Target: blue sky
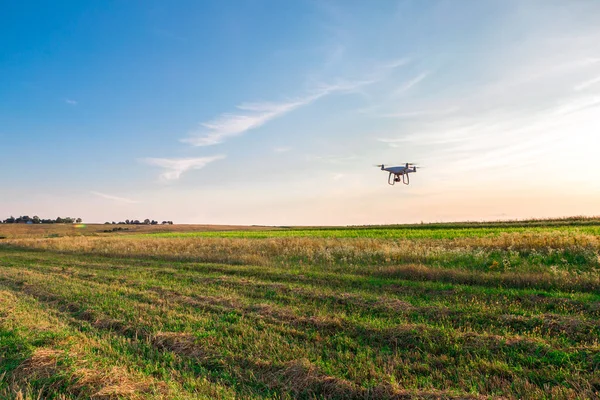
x=269 y=112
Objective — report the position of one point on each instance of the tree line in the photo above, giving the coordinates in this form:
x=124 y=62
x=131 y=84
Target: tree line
x=138 y=222
x=25 y=219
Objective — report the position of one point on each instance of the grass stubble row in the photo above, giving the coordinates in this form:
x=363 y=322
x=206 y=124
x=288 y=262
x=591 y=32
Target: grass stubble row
x=514 y=316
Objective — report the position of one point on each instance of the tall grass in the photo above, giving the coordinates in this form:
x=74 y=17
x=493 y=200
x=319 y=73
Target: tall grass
x=539 y=251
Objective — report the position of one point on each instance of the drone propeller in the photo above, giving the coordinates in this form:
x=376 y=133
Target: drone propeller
x=388 y=164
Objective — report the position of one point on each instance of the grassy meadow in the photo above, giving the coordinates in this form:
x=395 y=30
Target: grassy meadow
x=474 y=310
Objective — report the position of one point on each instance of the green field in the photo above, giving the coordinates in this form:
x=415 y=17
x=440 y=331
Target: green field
x=440 y=311
x=381 y=233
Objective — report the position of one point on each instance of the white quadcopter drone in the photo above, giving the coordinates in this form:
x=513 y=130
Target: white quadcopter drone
x=399 y=174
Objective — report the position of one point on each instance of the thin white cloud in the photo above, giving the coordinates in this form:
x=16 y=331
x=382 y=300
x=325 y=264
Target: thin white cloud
x=282 y=149
x=587 y=84
x=395 y=63
x=577 y=104
x=71 y=102
x=175 y=167
x=254 y=115
x=115 y=198
x=418 y=113
x=331 y=159
x=335 y=55
x=413 y=82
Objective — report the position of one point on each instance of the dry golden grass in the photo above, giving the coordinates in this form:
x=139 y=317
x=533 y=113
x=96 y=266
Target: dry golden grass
x=41 y=364
x=516 y=252
x=261 y=251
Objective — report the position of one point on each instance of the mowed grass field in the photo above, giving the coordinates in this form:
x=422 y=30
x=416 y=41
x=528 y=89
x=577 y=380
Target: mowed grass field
x=497 y=310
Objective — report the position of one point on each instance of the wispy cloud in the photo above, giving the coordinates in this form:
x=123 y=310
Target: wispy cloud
x=587 y=84
x=331 y=159
x=399 y=62
x=115 y=198
x=175 y=167
x=418 y=113
x=254 y=115
x=282 y=149
x=71 y=102
x=443 y=132
x=334 y=55
x=413 y=82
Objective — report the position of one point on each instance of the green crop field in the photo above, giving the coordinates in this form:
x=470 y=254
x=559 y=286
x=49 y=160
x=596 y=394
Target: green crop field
x=379 y=233
x=497 y=310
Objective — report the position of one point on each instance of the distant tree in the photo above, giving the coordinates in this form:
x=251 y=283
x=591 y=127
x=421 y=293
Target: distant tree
x=136 y=222
x=127 y=221
x=146 y=221
x=78 y=220
x=154 y=222
x=36 y=219
x=23 y=219
x=10 y=220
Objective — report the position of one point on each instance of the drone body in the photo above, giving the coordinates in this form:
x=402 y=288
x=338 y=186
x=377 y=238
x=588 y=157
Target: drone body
x=399 y=173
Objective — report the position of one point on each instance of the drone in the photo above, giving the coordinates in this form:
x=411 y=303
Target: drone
x=399 y=174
